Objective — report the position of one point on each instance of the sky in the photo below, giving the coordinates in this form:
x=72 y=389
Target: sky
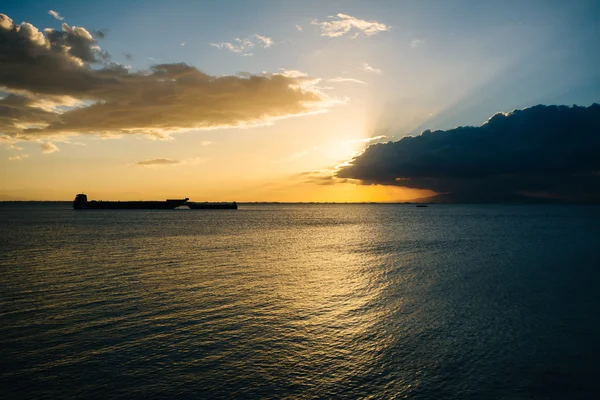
x=296 y=101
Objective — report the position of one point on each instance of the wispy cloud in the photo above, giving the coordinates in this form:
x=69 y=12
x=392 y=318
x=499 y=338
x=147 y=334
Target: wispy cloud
x=74 y=143
x=236 y=46
x=415 y=43
x=292 y=73
x=303 y=81
x=166 y=162
x=55 y=15
x=19 y=157
x=367 y=68
x=299 y=27
x=352 y=80
x=157 y=161
x=100 y=33
x=341 y=24
x=49 y=147
x=182 y=43
x=206 y=143
x=245 y=45
x=367 y=140
x=324 y=178
x=266 y=42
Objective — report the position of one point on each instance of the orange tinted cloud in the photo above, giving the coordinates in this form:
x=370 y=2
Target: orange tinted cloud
x=45 y=68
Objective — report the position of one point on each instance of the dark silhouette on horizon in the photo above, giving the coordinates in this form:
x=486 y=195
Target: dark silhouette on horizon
x=538 y=154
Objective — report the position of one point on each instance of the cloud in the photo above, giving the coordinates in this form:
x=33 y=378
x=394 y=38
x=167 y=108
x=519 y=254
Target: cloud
x=367 y=140
x=266 y=42
x=166 y=162
x=77 y=41
x=415 y=43
x=49 y=147
x=182 y=43
x=18 y=158
x=49 y=62
x=100 y=33
x=341 y=24
x=61 y=83
x=206 y=143
x=367 y=68
x=542 y=151
x=66 y=141
x=55 y=15
x=340 y=80
x=244 y=45
x=21 y=111
x=322 y=178
x=237 y=46
x=157 y=161
x=176 y=97
x=299 y=28
x=292 y=73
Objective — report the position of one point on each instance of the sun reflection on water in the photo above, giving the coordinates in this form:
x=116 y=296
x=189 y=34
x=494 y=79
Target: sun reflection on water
x=322 y=300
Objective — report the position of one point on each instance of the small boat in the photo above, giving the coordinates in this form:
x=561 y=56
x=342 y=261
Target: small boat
x=422 y=205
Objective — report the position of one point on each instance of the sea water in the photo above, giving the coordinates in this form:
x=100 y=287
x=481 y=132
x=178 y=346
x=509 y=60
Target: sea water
x=300 y=301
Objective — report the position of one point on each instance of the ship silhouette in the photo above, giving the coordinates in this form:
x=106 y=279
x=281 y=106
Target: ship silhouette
x=81 y=203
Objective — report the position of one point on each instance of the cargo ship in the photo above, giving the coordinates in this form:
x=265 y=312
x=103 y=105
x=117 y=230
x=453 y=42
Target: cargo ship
x=211 y=206
x=81 y=203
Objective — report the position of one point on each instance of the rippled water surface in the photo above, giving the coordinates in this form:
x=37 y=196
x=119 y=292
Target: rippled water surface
x=300 y=301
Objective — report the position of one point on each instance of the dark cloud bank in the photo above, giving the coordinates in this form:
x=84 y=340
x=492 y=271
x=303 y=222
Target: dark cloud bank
x=542 y=153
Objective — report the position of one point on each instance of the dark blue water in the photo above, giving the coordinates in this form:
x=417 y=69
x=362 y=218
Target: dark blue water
x=300 y=301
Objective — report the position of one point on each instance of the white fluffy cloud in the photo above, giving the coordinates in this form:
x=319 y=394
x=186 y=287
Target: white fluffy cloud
x=342 y=24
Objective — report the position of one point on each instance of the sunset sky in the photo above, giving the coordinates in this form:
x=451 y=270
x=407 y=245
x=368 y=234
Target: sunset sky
x=268 y=100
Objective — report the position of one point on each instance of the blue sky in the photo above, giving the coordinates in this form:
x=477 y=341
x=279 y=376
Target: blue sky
x=435 y=65
x=539 y=51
